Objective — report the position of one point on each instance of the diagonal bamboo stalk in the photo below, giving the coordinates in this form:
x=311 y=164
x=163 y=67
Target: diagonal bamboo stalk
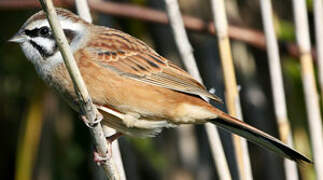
x=84 y=12
x=232 y=96
x=318 y=16
x=310 y=89
x=88 y=109
x=186 y=52
x=277 y=85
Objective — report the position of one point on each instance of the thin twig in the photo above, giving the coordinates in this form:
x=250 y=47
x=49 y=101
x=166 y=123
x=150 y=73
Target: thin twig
x=310 y=89
x=88 y=109
x=277 y=85
x=318 y=16
x=250 y=36
x=84 y=12
x=232 y=95
x=186 y=52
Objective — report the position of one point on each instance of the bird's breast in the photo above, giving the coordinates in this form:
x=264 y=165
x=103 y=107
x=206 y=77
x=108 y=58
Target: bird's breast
x=126 y=95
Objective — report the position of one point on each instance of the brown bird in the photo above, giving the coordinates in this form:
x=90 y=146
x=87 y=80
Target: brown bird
x=138 y=91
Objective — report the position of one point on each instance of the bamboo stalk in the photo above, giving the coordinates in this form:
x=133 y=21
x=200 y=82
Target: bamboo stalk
x=277 y=85
x=232 y=96
x=88 y=109
x=187 y=56
x=84 y=12
x=310 y=89
x=318 y=16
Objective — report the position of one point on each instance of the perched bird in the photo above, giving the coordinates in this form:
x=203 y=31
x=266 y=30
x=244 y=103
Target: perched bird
x=138 y=91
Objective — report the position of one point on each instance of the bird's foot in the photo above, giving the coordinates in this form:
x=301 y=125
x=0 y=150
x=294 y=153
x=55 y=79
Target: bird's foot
x=98 y=159
x=89 y=124
x=101 y=159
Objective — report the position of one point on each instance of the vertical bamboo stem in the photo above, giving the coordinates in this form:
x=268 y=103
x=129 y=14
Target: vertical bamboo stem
x=277 y=85
x=84 y=12
x=232 y=96
x=310 y=89
x=318 y=16
x=187 y=56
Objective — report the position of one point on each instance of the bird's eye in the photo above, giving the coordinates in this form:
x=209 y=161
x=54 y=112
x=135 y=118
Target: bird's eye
x=44 y=31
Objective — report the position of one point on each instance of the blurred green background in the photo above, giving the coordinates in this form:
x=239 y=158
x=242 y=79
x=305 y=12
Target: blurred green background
x=42 y=138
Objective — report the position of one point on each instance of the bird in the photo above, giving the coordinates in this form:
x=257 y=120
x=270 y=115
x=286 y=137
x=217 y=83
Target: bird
x=137 y=91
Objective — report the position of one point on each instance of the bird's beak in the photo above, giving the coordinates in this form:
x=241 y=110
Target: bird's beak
x=18 y=38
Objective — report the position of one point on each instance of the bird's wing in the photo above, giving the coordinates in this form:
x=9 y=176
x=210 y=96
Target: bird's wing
x=131 y=58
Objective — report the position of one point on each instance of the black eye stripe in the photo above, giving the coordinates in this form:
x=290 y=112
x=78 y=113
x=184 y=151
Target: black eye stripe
x=37 y=33
x=32 y=33
x=70 y=34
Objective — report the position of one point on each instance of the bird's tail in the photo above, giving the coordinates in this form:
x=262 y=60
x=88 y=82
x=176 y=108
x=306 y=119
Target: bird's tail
x=257 y=136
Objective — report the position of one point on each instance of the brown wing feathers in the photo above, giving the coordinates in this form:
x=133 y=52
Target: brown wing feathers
x=133 y=59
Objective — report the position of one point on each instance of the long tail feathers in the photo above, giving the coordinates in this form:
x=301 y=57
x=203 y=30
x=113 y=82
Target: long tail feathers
x=257 y=136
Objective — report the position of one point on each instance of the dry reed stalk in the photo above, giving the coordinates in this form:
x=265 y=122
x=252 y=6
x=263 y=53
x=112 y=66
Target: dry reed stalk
x=187 y=56
x=232 y=96
x=277 y=85
x=310 y=89
x=318 y=16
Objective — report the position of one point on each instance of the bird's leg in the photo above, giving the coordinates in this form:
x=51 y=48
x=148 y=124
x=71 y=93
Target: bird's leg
x=97 y=120
x=101 y=159
x=110 y=139
x=113 y=137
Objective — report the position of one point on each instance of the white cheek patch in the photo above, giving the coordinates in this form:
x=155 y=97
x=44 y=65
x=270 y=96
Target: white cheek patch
x=47 y=44
x=42 y=66
x=31 y=53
